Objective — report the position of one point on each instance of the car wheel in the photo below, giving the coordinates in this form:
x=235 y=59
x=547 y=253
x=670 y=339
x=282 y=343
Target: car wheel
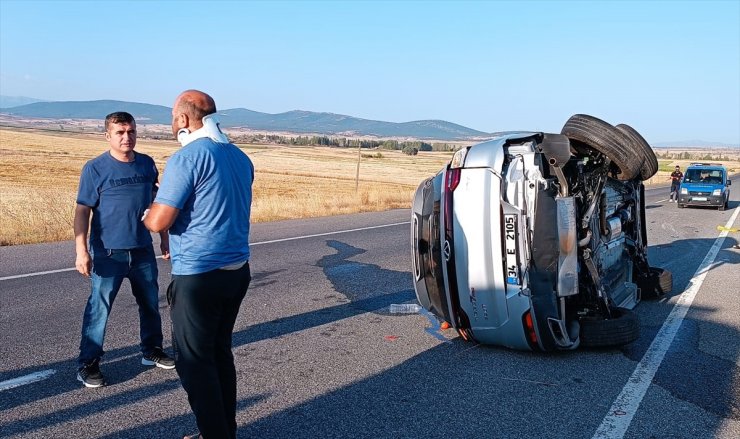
x=603 y=137
x=680 y=206
x=621 y=329
x=656 y=284
x=650 y=165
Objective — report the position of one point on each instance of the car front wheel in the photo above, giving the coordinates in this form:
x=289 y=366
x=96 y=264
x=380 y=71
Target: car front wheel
x=622 y=328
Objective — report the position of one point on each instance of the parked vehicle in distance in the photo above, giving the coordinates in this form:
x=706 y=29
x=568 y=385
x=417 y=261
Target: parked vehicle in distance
x=705 y=184
x=538 y=241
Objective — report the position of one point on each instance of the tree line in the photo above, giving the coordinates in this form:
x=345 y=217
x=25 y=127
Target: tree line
x=685 y=155
x=343 y=142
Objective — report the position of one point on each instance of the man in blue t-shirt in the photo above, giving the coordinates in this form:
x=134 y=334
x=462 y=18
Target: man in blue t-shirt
x=117 y=187
x=204 y=201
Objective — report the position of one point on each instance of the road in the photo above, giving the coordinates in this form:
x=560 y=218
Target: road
x=318 y=355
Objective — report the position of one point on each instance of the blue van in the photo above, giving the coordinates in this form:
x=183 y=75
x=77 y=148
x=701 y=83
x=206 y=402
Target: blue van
x=705 y=184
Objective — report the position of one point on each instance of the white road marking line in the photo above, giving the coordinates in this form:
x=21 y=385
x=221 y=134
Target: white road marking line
x=36 y=274
x=329 y=233
x=618 y=419
x=660 y=201
x=27 y=379
x=40 y=273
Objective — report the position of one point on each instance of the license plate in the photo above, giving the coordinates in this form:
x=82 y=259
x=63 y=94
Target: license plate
x=512 y=251
x=699 y=199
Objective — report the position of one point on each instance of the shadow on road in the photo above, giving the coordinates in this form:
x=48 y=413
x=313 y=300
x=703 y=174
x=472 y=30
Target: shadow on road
x=454 y=389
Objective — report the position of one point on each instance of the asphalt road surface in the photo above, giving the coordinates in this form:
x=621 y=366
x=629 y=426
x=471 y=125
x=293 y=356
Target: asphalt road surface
x=318 y=355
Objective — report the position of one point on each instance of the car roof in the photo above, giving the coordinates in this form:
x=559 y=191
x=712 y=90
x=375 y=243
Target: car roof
x=706 y=166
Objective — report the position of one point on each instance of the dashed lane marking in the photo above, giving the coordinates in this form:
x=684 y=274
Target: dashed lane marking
x=26 y=379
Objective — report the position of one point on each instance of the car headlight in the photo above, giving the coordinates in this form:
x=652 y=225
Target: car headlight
x=458 y=160
x=684 y=191
x=717 y=192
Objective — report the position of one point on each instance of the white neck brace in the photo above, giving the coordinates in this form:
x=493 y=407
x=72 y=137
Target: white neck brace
x=210 y=129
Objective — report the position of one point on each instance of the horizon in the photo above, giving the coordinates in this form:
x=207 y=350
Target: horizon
x=690 y=143
x=488 y=66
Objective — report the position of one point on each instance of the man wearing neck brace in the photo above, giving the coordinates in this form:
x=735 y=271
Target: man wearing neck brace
x=204 y=201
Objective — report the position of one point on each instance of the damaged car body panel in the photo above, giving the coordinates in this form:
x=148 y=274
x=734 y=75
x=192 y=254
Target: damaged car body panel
x=521 y=239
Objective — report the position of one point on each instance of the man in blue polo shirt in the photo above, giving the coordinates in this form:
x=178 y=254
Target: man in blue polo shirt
x=204 y=201
x=116 y=187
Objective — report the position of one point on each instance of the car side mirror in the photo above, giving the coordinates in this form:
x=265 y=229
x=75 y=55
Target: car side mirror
x=729 y=182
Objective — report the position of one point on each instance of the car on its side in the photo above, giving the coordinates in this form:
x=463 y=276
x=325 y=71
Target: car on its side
x=538 y=241
x=705 y=184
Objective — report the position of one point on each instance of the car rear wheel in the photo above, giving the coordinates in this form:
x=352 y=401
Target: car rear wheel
x=650 y=165
x=622 y=328
x=608 y=140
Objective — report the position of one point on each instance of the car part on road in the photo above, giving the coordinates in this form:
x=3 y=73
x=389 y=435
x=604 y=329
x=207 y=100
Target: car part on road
x=521 y=240
x=654 y=284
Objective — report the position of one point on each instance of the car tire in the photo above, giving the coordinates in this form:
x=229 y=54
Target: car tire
x=606 y=139
x=680 y=206
x=621 y=329
x=650 y=165
x=655 y=284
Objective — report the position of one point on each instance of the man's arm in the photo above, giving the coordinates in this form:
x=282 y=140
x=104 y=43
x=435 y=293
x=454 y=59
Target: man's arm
x=160 y=218
x=83 y=262
x=164 y=244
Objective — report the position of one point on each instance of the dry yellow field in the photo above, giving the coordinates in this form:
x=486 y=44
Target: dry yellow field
x=39 y=174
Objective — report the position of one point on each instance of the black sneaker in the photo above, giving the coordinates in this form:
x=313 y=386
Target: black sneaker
x=158 y=358
x=90 y=375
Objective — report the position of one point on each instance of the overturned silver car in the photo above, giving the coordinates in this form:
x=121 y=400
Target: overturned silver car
x=538 y=241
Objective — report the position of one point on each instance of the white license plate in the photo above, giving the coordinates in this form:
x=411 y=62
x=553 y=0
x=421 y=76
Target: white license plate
x=699 y=199
x=512 y=251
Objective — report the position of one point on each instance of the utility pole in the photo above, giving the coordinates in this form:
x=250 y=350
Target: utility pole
x=357 y=174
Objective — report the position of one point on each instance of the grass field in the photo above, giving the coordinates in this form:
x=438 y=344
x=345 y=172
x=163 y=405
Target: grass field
x=39 y=174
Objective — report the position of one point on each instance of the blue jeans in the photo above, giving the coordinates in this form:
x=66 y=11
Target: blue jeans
x=110 y=267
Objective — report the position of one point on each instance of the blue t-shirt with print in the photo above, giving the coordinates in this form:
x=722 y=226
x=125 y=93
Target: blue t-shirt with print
x=118 y=193
x=211 y=184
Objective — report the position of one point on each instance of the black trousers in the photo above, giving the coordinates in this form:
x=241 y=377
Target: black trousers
x=203 y=308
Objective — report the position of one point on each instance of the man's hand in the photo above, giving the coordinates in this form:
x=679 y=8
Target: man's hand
x=165 y=248
x=83 y=263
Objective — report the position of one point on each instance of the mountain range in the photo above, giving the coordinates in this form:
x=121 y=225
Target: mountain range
x=299 y=122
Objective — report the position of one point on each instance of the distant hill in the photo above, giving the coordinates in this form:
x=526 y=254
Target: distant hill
x=299 y=122
x=16 y=101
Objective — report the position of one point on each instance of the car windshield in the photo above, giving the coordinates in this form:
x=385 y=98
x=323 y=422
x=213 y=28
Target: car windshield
x=712 y=176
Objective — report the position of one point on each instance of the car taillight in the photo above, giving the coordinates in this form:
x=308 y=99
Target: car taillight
x=529 y=325
x=453 y=179
x=458 y=159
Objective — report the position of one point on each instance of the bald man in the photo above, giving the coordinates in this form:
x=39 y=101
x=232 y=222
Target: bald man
x=204 y=202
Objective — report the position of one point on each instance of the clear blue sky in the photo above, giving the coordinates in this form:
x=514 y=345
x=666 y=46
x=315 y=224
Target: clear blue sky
x=671 y=69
